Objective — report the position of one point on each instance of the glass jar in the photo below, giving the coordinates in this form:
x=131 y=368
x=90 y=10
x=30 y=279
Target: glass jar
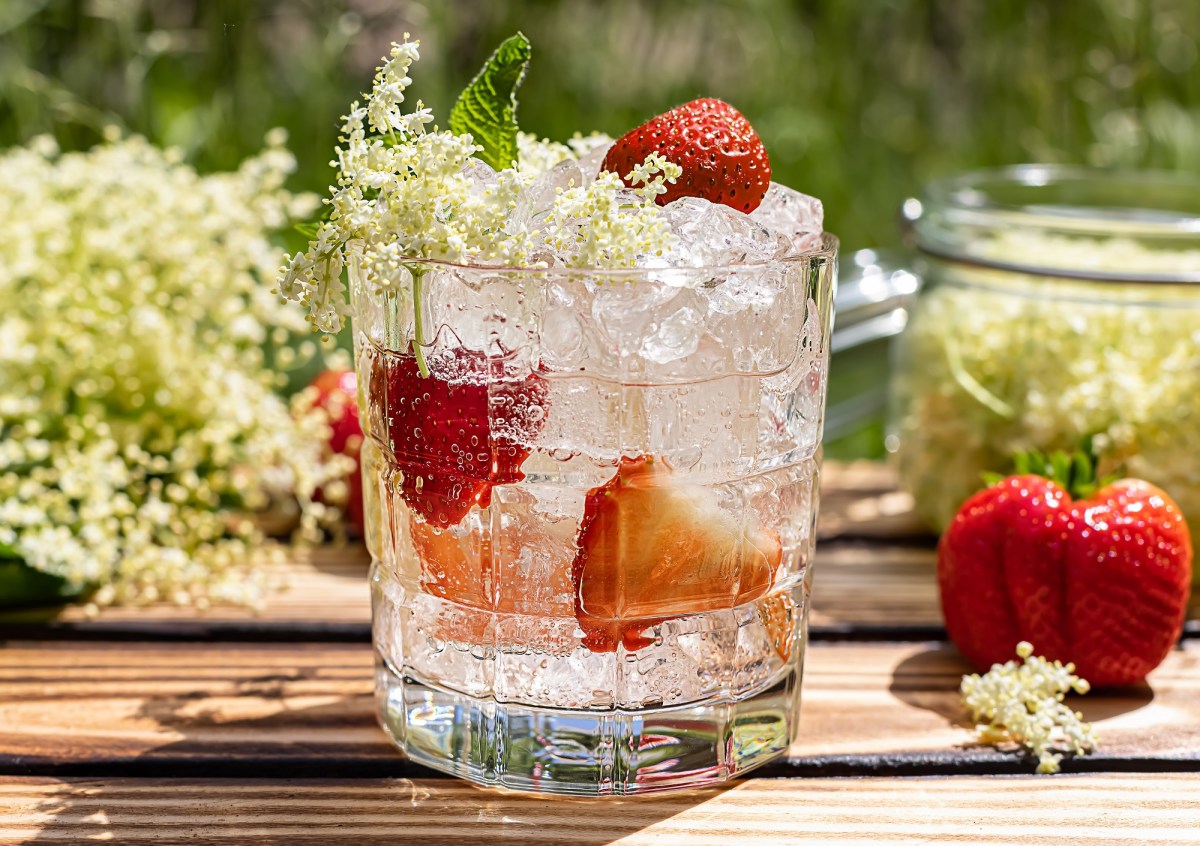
x=1058 y=304
x=590 y=505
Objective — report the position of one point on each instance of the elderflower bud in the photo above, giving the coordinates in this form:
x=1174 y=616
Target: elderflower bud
x=1022 y=704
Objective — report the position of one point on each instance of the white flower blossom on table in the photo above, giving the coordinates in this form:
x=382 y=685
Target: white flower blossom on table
x=1023 y=704
x=140 y=424
x=404 y=191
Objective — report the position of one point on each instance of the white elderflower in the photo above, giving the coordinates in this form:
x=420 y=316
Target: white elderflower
x=1023 y=704
x=140 y=425
x=539 y=155
x=406 y=193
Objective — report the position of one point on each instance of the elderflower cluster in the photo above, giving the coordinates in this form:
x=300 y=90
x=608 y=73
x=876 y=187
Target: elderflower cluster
x=404 y=192
x=1023 y=704
x=140 y=424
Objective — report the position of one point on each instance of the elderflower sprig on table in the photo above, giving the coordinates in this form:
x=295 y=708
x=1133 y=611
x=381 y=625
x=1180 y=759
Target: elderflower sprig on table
x=140 y=424
x=406 y=193
x=1023 y=704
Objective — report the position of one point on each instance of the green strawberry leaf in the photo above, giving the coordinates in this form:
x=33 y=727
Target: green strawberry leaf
x=487 y=108
x=1075 y=471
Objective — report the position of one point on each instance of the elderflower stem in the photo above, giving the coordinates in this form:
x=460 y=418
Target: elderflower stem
x=418 y=324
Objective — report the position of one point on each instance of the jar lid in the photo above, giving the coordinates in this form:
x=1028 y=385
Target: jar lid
x=1125 y=226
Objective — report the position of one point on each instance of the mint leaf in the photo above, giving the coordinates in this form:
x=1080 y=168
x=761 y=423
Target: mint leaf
x=487 y=108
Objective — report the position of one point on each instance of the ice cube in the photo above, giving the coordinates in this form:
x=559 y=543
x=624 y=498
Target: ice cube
x=624 y=310
x=591 y=161
x=537 y=199
x=675 y=335
x=480 y=174
x=796 y=216
x=734 y=291
x=569 y=340
x=711 y=234
x=468 y=309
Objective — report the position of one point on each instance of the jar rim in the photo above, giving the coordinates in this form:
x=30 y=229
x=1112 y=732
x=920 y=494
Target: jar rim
x=1157 y=210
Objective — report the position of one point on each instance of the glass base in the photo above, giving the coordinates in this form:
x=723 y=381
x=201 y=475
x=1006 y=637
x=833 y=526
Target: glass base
x=582 y=752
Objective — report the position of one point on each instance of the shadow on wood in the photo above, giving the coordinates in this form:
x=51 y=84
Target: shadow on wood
x=929 y=679
x=223 y=780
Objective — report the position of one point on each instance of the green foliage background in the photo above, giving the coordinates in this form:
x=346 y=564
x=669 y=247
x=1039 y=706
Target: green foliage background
x=859 y=101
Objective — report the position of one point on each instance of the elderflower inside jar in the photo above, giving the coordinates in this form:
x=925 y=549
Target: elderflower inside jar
x=1058 y=304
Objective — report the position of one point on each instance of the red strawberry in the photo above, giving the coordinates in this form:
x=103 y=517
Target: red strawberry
x=1101 y=581
x=780 y=616
x=337 y=395
x=440 y=428
x=722 y=158
x=651 y=550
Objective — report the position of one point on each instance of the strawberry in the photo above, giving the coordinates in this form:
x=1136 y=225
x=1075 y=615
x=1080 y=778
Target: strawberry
x=439 y=428
x=337 y=392
x=722 y=158
x=1101 y=581
x=780 y=616
x=651 y=550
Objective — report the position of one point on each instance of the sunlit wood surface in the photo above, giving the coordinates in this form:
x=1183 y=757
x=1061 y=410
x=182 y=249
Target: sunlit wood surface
x=158 y=725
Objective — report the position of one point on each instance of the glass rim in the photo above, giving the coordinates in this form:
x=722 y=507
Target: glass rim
x=939 y=220
x=828 y=250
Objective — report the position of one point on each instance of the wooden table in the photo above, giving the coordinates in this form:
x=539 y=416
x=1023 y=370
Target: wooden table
x=156 y=725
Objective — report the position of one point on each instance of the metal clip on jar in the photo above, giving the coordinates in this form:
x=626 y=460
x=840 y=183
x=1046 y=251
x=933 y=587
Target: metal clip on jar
x=873 y=296
x=1057 y=304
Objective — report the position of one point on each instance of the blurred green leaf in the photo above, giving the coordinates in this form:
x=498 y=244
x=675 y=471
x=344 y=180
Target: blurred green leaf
x=21 y=585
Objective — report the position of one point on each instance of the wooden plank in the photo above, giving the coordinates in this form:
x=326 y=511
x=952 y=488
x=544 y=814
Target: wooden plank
x=322 y=595
x=277 y=710
x=1082 y=810
x=864 y=585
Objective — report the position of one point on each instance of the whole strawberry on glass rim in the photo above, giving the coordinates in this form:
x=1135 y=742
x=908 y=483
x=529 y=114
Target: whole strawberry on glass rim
x=720 y=154
x=1095 y=573
x=593 y=380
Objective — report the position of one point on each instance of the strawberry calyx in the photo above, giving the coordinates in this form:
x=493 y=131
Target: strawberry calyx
x=1076 y=472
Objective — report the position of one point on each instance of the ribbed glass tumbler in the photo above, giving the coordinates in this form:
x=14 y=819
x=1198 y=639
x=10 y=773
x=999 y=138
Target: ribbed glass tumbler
x=590 y=502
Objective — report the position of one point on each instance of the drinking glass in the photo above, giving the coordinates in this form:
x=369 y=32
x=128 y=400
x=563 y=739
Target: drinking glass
x=591 y=503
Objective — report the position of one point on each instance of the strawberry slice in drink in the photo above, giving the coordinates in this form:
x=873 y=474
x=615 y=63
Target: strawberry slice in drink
x=651 y=549
x=458 y=431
